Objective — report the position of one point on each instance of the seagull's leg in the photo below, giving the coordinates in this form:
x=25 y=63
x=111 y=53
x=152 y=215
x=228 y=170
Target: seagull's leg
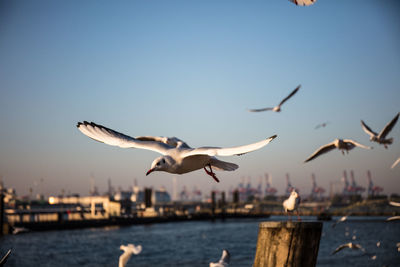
x=211 y=173
x=298 y=216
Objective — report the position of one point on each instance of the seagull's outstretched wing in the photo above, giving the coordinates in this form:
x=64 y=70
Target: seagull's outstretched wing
x=367 y=129
x=303 y=2
x=259 y=109
x=114 y=138
x=321 y=150
x=239 y=150
x=290 y=95
x=225 y=258
x=128 y=251
x=388 y=127
x=395 y=163
x=396 y=204
x=356 y=144
x=339 y=248
x=171 y=141
x=394 y=218
x=3 y=260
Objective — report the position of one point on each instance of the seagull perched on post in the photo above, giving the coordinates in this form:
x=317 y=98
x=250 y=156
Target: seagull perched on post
x=292 y=204
x=341 y=144
x=278 y=107
x=177 y=157
x=224 y=261
x=128 y=251
x=381 y=137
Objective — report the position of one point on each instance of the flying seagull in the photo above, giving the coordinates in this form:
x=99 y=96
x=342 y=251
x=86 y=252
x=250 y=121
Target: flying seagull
x=381 y=137
x=128 y=251
x=292 y=204
x=341 y=144
x=395 y=163
x=342 y=219
x=323 y=125
x=224 y=261
x=303 y=2
x=177 y=157
x=349 y=245
x=278 y=107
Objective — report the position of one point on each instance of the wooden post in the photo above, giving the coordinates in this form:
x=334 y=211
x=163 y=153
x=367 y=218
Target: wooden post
x=287 y=244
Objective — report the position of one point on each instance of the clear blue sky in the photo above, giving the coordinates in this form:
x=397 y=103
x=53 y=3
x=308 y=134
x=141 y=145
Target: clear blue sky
x=190 y=69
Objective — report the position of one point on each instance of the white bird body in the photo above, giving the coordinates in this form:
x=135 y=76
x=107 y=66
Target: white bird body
x=224 y=261
x=177 y=157
x=381 y=137
x=303 y=2
x=129 y=250
x=278 y=107
x=342 y=219
x=341 y=144
x=292 y=204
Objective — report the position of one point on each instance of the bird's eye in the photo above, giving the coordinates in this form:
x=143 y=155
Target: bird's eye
x=158 y=164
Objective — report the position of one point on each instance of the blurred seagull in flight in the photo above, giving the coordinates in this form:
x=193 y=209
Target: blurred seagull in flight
x=224 y=261
x=395 y=163
x=177 y=157
x=394 y=218
x=303 y=2
x=128 y=251
x=292 y=204
x=381 y=137
x=341 y=144
x=349 y=245
x=278 y=107
x=323 y=125
x=342 y=219
x=393 y=203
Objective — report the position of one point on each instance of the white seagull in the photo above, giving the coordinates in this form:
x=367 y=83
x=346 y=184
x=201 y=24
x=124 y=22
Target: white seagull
x=177 y=157
x=342 y=219
x=381 y=137
x=395 y=163
x=349 y=245
x=303 y=2
x=278 y=107
x=341 y=144
x=393 y=203
x=128 y=251
x=224 y=261
x=292 y=204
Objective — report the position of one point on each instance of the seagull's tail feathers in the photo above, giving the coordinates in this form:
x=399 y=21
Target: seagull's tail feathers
x=220 y=165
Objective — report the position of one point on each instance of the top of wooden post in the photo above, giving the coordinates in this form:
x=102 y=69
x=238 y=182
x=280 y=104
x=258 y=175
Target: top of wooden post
x=289 y=224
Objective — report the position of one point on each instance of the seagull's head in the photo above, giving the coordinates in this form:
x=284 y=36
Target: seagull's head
x=159 y=164
x=294 y=194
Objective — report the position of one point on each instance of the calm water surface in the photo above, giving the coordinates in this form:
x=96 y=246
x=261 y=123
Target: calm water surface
x=196 y=244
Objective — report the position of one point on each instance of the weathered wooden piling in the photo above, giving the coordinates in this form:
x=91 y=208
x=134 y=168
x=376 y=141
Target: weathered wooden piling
x=287 y=244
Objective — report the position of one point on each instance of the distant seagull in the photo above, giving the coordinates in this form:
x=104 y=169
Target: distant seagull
x=278 y=107
x=342 y=219
x=177 y=157
x=323 y=125
x=378 y=244
x=128 y=251
x=341 y=144
x=380 y=138
x=396 y=204
x=394 y=218
x=350 y=246
x=395 y=163
x=224 y=261
x=303 y=2
x=3 y=260
x=292 y=204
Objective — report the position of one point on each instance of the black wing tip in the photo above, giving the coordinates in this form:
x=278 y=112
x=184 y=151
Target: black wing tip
x=273 y=137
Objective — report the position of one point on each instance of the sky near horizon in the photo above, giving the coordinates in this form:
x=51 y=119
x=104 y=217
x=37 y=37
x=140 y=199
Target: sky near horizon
x=190 y=69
